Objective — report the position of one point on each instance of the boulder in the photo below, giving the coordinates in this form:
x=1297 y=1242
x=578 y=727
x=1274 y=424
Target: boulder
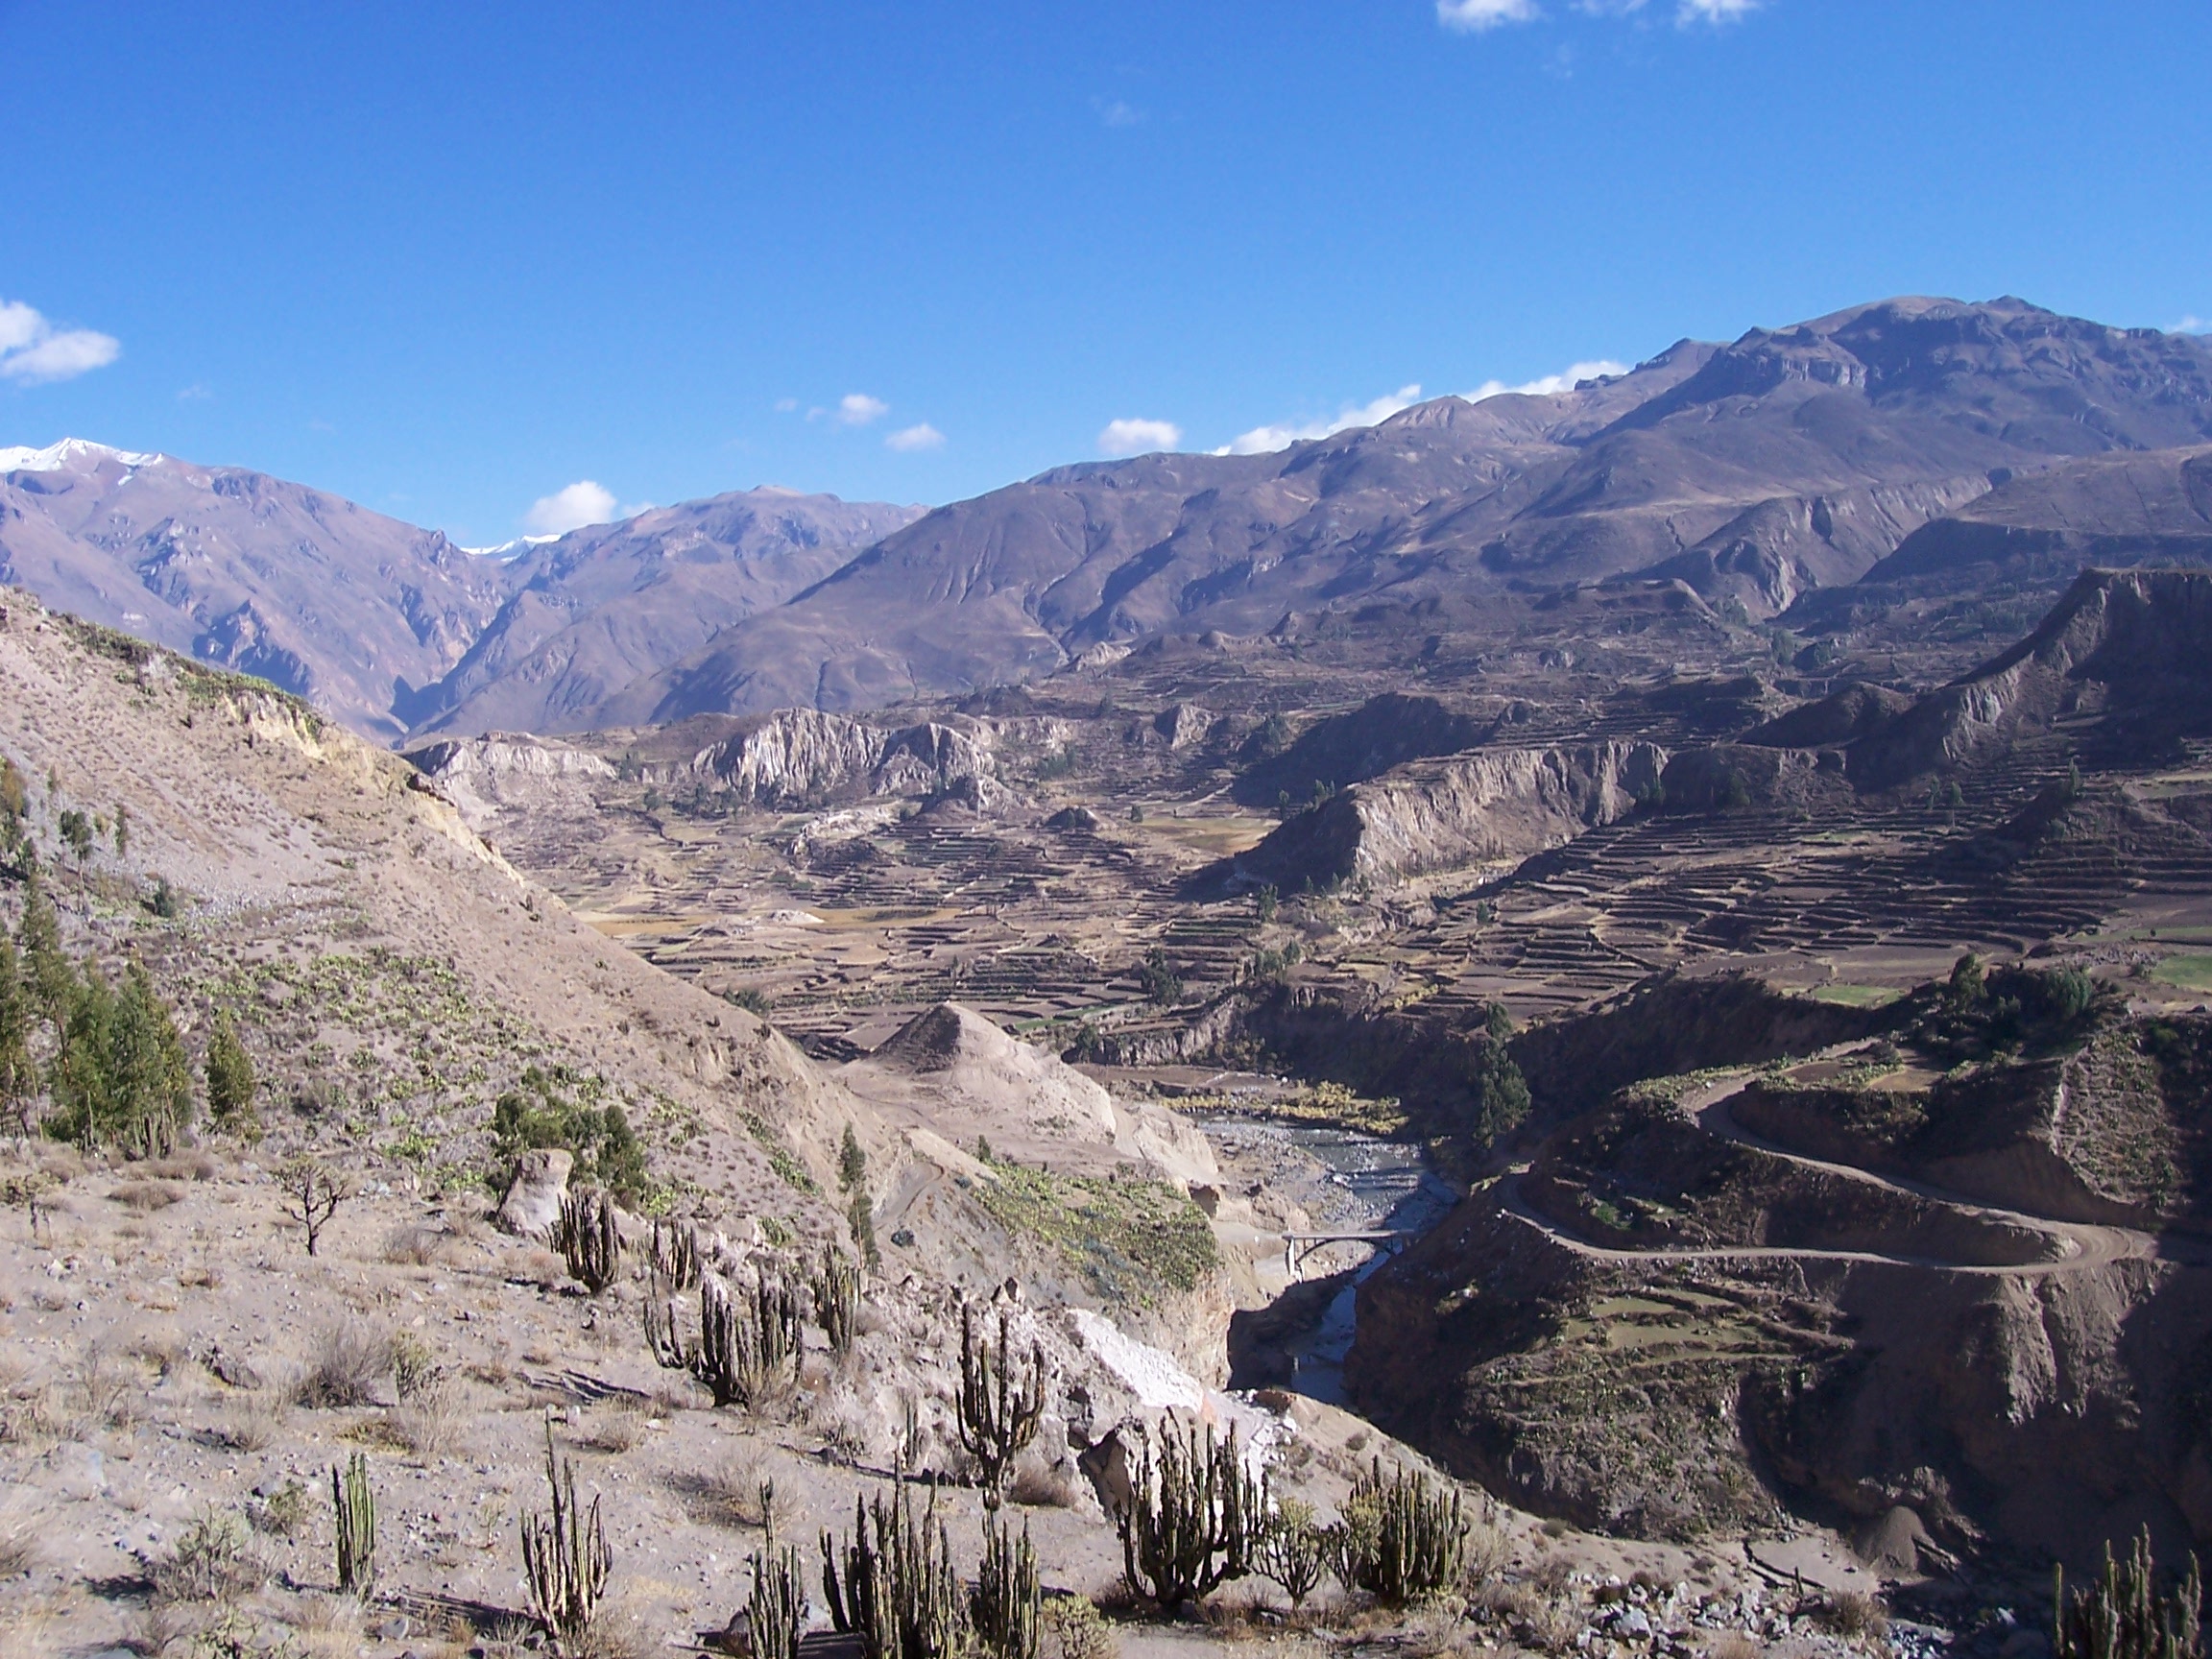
x=533 y=1202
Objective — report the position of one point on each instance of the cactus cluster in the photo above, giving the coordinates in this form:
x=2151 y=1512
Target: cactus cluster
x=1007 y=1609
x=837 y=1301
x=1195 y=1518
x=896 y=1588
x=776 y=1615
x=1402 y=1538
x=590 y=1239
x=564 y=1555
x=1293 y=1551
x=748 y=1345
x=675 y=1254
x=2123 y=1615
x=998 y=1414
x=354 y=1508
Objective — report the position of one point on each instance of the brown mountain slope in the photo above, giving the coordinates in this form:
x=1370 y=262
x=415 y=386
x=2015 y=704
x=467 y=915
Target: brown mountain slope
x=1791 y=460
x=603 y=606
x=343 y=606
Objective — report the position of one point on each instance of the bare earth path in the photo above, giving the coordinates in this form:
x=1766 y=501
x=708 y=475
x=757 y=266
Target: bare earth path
x=2076 y=1245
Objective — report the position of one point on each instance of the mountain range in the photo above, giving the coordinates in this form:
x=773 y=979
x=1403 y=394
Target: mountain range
x=1911 y=445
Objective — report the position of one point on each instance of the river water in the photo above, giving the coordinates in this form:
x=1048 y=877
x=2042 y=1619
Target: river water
x=1369 y=1183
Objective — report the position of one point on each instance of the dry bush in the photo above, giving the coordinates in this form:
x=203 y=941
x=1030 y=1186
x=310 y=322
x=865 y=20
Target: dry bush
x=1075 y=1630
x=22 y=1541
x=344 y=1365
x=98 y=1388
x=160 y=1628
x=184 y=1166
x=1042 y=1485
x=328 y=1624
x=1236 y=1615
x=213 y=1560
x=251 y=1422
x=160 y=1346
x=618 y=1425
x=147 y=1196
x=732 y=1489
x=1856 y=1613
x=413 y=1245
x=283 y=1513
x=1735 y=1645
x=432 y=1420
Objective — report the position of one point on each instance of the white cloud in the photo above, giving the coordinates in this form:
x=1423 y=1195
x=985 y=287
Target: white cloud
x=196 y=393
x=1139 y=437
x=911 y=437
x=1713 y=11
x=2192 y=323
x=1114 y=112
x=1549 y=384
x=33 y=351
x=859 y=409
x=786 y=405
x=1474 y=15
x=1267 y=440
x=581 y=503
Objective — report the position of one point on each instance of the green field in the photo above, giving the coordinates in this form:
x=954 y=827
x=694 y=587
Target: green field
x=1856 y=995
x=2188 y=972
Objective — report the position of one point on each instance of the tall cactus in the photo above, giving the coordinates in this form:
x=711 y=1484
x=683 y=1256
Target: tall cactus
x=897 y=1590
x=589 y=1238
x=566 y=1556
x=1008 y=1606
x=1195 y=1517
x=663 y=1329
x=777 y=1612
x=1292 y=1550
x=837 y=1299
x=1401 y=1539
x=2124 y=1616
x=997 y=1416
x=354 y=1507
x=674 y=1253
x=747 y=1348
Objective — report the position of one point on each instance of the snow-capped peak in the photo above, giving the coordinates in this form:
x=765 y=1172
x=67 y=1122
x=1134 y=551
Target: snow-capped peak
x=507 y=552
x=66 y=455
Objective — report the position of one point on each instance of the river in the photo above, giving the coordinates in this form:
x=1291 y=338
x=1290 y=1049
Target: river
x=1367 y=1183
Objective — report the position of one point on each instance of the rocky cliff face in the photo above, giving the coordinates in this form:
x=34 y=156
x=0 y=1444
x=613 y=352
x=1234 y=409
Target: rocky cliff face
x=1988 y=1300
x=1486 y=804
x=799 y=758
x=486 y=775
x=2131 y=650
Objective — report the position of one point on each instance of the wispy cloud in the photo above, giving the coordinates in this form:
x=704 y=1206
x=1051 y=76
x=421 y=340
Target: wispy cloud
x=1114 y=112
x=786 y=405
x=2192 y=323
x=1546 y=385
x=1139 y=437
x=581 y=503
x=908 y=439
x=859 y=409
x=1478 y=16
x=1267 y=440
x=33 y=351
x=196 y=393
x=1474 y=15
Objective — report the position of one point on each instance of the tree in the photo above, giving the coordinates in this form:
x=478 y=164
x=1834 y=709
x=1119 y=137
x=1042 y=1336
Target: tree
x=122 y=831
x=313 y=1190
x=53 y=982
x=76 y=832
x=1162 y=985
x=1969 y=983
x=852 y=1162
x=18 y=1071
x=231 y=1079
x=149 y=1079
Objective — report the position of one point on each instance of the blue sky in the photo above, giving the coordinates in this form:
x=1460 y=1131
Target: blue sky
x=452 y=261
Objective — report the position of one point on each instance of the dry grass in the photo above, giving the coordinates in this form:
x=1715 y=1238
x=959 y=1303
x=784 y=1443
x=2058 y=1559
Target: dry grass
x=1856 y=1613
x=344 y=1365
x=147 y=1196
x=213 y=1560
x=413 y=1245
x=22 y=1541
x=328 y=1626
x=1041 y=1485
x=433 y=1420
x=251 y=1422
x=1735 y=1645
x=184 y=1166
x=616 y=1426
x=740 y=1489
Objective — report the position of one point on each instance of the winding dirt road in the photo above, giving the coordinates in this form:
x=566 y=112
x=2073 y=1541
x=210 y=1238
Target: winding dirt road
x=2075 y=1246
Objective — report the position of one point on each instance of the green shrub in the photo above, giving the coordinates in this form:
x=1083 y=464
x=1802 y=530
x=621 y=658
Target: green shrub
x=538 y=1114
